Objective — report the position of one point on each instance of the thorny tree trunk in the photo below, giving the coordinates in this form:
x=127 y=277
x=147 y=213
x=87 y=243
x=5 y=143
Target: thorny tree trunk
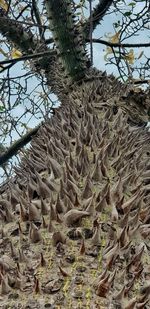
x=75 y=224
x=76 y=219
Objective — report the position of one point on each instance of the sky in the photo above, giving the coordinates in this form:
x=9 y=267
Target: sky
x=107 y=28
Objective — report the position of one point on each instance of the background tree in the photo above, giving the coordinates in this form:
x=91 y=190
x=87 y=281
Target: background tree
x=77 y=209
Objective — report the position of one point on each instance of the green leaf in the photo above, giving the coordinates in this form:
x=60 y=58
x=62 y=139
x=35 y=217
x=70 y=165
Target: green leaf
x=127 y=13
x=2 y=109
x=132 y=4
x=117 y=24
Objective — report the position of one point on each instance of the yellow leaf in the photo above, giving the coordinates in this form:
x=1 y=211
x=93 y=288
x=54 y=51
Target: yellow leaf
x=3 y=5
x=130 y=56
x=108 y=51
x=15 y=53
x=115 y=37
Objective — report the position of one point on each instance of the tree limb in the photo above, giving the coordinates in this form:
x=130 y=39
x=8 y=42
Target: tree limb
x=27 y=57
x=25 y=41
x=110 y=44
x=67 y=38
x=14 y=32
x=53 y=52
x=38 y=18
x=141 y=81
x=13 y=149
x=91 y=31
x=97 y=14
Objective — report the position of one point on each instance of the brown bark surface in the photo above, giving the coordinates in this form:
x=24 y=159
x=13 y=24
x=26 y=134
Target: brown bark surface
x=75 y=221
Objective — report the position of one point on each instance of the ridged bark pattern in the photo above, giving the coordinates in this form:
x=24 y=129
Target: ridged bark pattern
x=76 y=219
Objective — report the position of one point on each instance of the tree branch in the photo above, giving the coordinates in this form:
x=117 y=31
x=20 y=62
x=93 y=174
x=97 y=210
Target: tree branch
x=25 y=41
x=141 y=81
x=12 y=150
x=97 y=14
x=91 y=31
x=110 y=44
x=38 y=18
x=27 y=57
x=67 y=38
x=53 y=52
x=14 y=32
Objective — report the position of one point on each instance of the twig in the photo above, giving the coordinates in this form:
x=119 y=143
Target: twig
x=26 y=57
x=136 y=45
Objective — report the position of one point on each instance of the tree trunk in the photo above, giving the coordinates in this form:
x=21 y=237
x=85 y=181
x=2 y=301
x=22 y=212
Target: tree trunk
x=80 y=198
x=76 y=217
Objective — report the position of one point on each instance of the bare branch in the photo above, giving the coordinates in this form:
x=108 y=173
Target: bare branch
x=12 y=150
x=27 y=57
x=38 y=19
x=91 y=31
x=97 y=14
x=110 y=44
x=140 y=81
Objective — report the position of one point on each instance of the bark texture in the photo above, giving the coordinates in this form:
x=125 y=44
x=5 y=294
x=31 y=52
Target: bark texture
x=75 y=222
